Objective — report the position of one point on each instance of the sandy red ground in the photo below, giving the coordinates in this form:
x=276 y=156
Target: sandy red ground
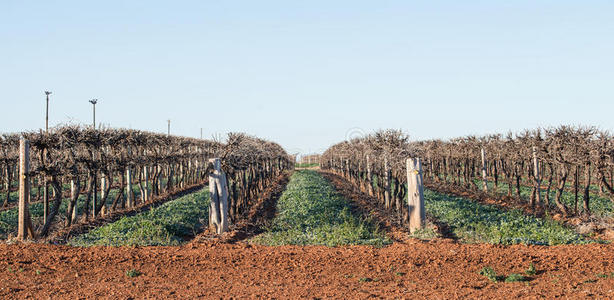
x=424 y=269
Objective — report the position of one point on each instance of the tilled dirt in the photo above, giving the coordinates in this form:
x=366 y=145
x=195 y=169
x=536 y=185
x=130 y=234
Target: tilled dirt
x=435 y=270
x=231 y=268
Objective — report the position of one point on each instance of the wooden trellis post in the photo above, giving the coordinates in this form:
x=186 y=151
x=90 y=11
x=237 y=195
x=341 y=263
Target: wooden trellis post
x=158 y=180
x=218 y=210
x=415 y=194
x=73 y=192
x=369 y=178
x=484 y=180
x=537 y=175
x=94 y=196
x=189 y=172
x=146 y=179
x=24 y=226
x=348 y=170
x=103 y=184
x=197 y=170
x=181 y=175
x=130 y=202
x=387 y=183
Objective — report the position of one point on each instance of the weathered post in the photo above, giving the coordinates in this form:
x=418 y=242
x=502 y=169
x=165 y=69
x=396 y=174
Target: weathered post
x=45 y=199
x=130 y=202
x=73 y=191
x=218 y=210
x=369 y=178
x=94 y=195
x=158 y=182
x=189 y=172
x=146 y=178
x=538 y=179
x=103 y=184
x=169 y=176
x=181 y=174
x=387 y=183
x=197 y=170
x=359 y=176
x=484 y=180
x=24 y=226
x=7 y=180
x=347 y=169
x=415 y=194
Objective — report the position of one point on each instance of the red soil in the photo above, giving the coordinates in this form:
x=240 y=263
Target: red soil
x=427 y=270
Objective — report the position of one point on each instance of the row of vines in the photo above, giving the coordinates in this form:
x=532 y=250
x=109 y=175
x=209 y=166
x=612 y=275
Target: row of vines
x=551 y=162
x=75 y=164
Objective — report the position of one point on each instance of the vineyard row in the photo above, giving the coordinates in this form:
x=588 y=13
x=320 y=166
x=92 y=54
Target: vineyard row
x=559 y=160
x=67 y=158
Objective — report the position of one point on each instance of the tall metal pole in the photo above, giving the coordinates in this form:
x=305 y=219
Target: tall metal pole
x=47 y=112
x=201 y=133
x=169 y=127
x=94 y=101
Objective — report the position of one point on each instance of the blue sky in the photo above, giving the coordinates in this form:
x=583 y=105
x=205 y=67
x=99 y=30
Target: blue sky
x=308 y=74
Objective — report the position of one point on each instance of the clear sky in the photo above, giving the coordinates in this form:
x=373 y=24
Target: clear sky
x=308 y=74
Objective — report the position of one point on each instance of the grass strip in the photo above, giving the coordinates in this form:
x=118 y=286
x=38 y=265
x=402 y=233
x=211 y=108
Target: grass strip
x=9 y=217
x=473 y=222
x=168 y=224
x=311 y=212
x=599 y=206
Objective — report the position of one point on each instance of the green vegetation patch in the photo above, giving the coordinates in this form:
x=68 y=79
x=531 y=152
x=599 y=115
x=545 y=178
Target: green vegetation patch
x=310 y=212
x=168 y=224
x=475 y=222
x=599 y=206
x=9 y=217
x=490 y=273
x=515 y=278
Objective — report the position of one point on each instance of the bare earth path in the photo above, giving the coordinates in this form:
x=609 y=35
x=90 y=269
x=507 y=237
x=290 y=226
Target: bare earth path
x=428 y=270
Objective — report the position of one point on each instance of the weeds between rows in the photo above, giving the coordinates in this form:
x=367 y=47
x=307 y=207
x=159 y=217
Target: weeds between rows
x=473 y=222
x=35 y=197
x=168 y=224
x=9 y=217
x=598 y=205
x=310 y=212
